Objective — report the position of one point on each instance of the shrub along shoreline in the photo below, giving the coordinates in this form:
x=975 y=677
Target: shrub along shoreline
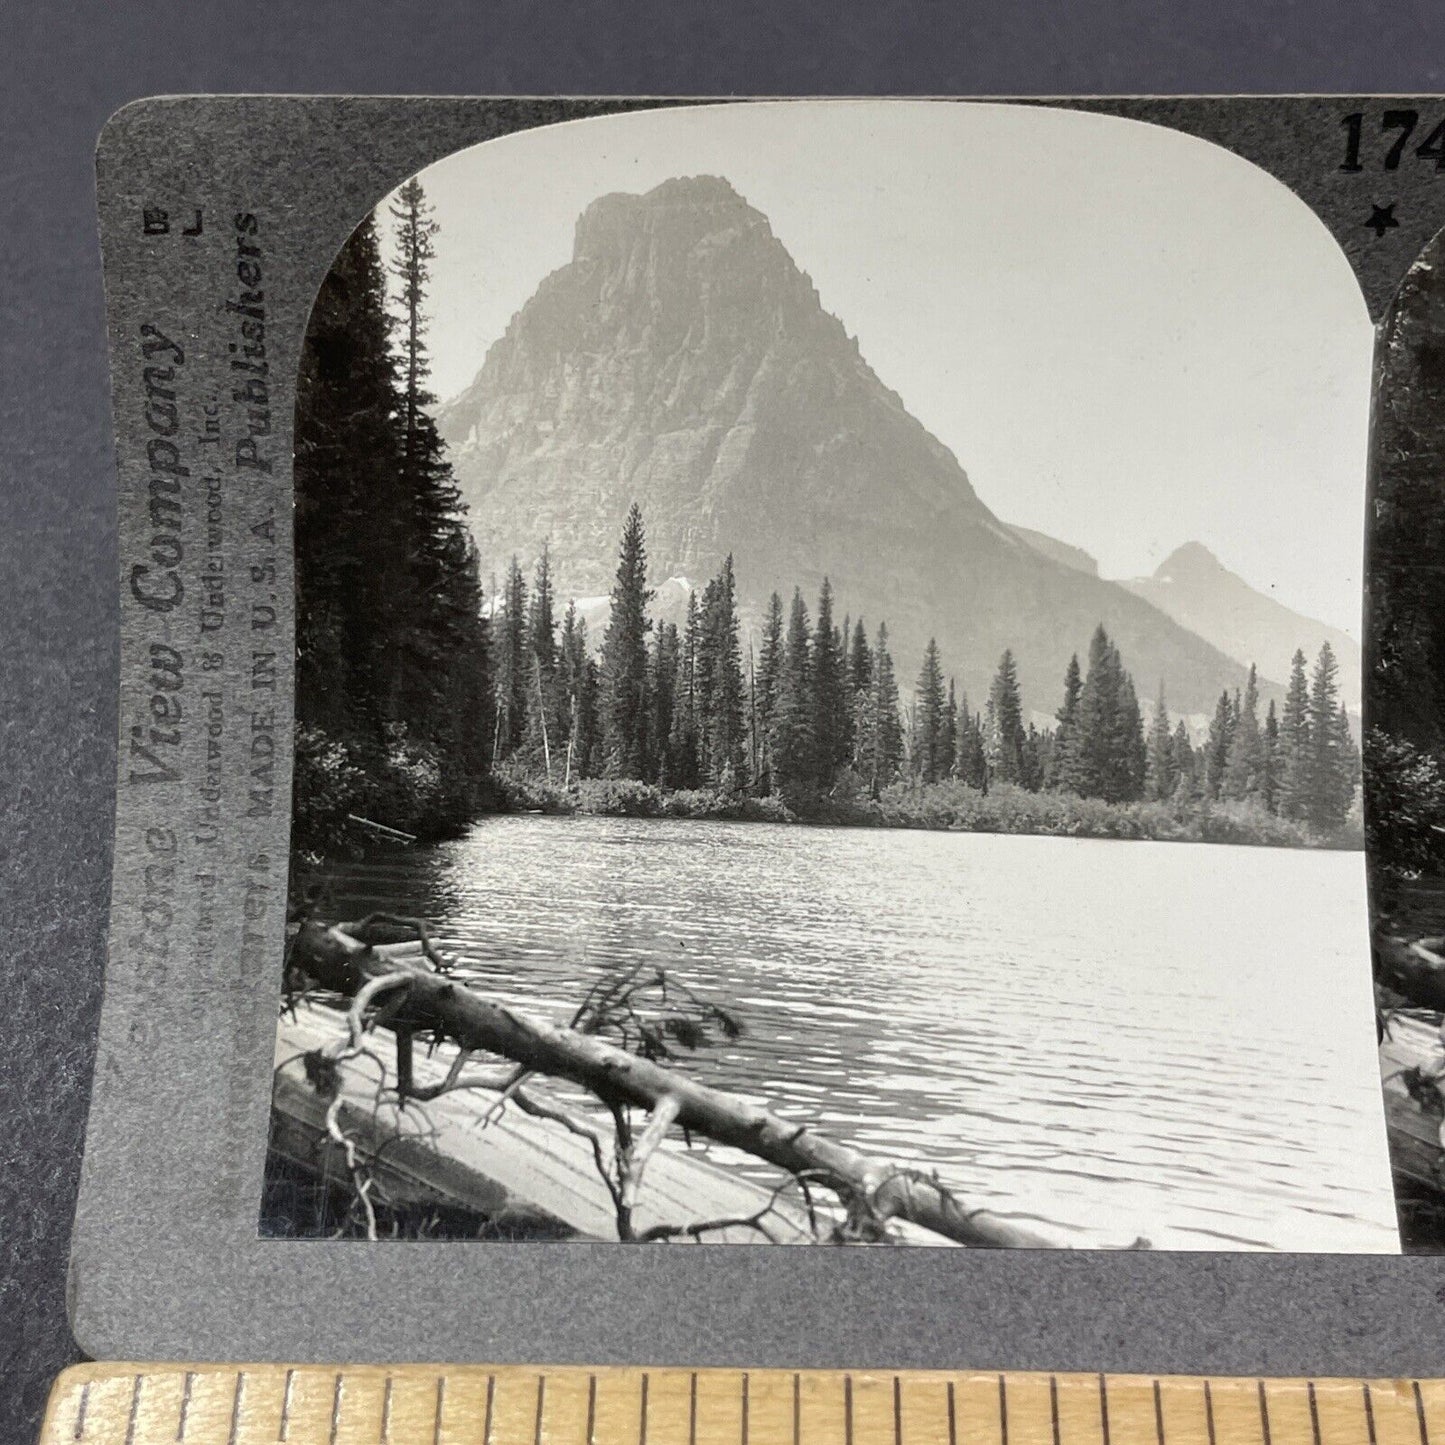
x=947 y=806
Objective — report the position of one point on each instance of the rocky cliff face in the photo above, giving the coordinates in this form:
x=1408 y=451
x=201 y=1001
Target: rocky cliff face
x=683 y=360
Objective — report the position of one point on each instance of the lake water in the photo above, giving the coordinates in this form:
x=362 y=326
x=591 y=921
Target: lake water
x=1120 y=1039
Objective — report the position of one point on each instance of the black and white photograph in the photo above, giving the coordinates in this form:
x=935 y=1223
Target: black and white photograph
x=829 y=707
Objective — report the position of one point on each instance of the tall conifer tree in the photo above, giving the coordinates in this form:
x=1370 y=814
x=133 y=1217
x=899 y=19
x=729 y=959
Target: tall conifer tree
x=830 y=699
x=792 y=743
x=720 y=685
x=1217 y=746
x=624 y=658
x=512 y=670
x=347 y=505
x=434 y=598
x=684 y=743
x=1329 y=784
x=1186 y=766
x=930 y=718
x=1244 y=769
x=1161 y=776
x=769 y=680
x=1294 y=737
x=1064 y=765
x=1005 y=729
x=1269 y=791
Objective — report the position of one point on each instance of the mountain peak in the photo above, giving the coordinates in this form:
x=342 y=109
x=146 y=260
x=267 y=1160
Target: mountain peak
x=1191 y=560
x=684 y=210
x=1198 y=591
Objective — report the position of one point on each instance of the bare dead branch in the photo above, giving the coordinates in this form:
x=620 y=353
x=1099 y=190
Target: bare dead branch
x=622 y=1080
x=659 y=1121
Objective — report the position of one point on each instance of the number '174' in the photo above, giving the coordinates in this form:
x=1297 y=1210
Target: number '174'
x=1400 y=124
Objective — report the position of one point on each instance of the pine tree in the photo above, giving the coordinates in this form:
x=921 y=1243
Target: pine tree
x=1065 y=773
x=1005 y=727
x=930 y=719
x=791 y=743
x=1329 y=785
x=1269 y=791
x=845 y=662
x=1217 y=746
x=1161 y=775
x=1185 y=766
x=624 y=659
x=1133 y=752
x=769 y=679
x=1244 y=769
x=512 y=672
x=721 y=722
x=433 y=537
x=662 y=685
x=578 y=679
x=860 y=660
x=543 y=707
x=950 y=734
x=830 y=694
x=1031 y=771
x=879 y=744
x=970 y=766
x=347 y=506
x=1110 y=756
x=1294 y=736
x=684 y=746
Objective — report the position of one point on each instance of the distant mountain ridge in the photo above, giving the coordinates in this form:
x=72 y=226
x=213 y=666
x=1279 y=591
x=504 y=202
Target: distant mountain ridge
x=683 y=360
x=1198 y=591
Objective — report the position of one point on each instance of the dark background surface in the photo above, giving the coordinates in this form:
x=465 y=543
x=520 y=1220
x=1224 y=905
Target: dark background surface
x=66 y=68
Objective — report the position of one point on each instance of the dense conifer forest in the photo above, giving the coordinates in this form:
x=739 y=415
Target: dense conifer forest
x=420 y=703
x=810 y=722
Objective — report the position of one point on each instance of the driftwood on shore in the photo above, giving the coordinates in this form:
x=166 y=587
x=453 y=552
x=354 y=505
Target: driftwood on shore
x=414 y=994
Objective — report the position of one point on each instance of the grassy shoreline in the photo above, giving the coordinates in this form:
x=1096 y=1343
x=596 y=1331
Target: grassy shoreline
x=940 y=807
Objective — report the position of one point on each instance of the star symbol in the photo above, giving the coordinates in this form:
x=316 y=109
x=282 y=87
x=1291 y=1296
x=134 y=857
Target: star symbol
x=1382 y=219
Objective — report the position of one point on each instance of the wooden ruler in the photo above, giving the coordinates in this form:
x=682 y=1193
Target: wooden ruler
x=110 y=1404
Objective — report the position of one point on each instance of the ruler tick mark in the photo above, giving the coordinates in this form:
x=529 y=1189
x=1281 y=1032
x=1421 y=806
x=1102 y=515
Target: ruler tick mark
x=592 y=1405
x=848 y=1409
x=290 y=1385
x=441 y=1406
x=1314 y=1412
x=80 y=1411
x=952 y=1417
x=897 y=1411
x=185 y=1406
x=1369 y=1412
x=745 y=1407
x=1264 y=1413
x=487 y=1423
x=386 y=1412
x=1209 y=1411
x=236 y=1407
x=541 y=1402
x=335 y=1409
x=1158 y=1415
x=134 y=1411
x=1054 y=1406
x=1002 y=1410
x=797 y=1408
x=1104 y=1409
x=642 y=1414
x=1420 y=1415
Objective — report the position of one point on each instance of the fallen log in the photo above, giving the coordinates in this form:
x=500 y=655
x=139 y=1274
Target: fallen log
x=421 y=998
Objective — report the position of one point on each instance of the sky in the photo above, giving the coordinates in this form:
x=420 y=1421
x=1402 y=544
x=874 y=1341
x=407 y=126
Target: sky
x=1130 y=338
